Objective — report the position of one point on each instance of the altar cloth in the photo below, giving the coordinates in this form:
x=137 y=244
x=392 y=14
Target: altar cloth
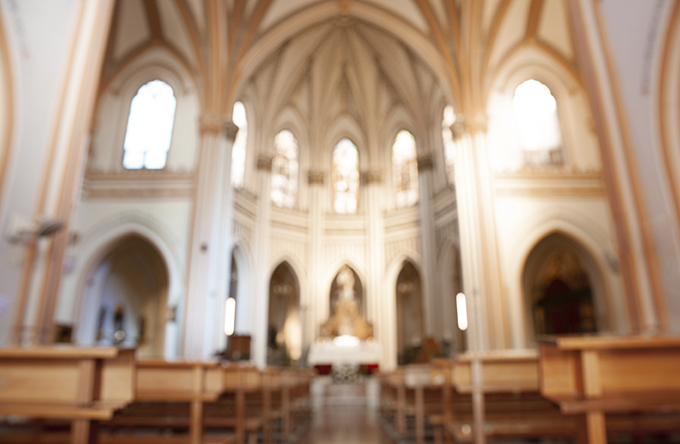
x=327 y=353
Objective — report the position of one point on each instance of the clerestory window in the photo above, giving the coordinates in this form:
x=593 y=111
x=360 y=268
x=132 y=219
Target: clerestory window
x=448 y=119
x=149 y=127
x=535 y=111
x=405 y=169
x=285 y=170
x=238 y=151
x=345 y=177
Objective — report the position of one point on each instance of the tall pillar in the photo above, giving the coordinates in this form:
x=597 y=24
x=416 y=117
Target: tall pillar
x=60 y=188
x=207 y=237
x=375 y=267
x=225 y=232
x=315 y=312
x=432 y=312
x=478 y=240
x=261 y=306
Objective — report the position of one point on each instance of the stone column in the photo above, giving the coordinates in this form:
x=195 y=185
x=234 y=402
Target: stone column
x=262 y=271
x=204 y=253
x=66 y=150
x=225 y=231
x=375 y=267
x=316 y=180
x=478 y=242
x=432 y=316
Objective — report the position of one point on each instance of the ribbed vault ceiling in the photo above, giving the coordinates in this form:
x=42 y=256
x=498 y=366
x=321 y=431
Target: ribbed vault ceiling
x=223 y=42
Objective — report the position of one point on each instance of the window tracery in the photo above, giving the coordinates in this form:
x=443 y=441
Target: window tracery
x=285 y=170
x=345 y=177
x=238 y=150
x=535 y=112
x=405 y=169
x=149 y=127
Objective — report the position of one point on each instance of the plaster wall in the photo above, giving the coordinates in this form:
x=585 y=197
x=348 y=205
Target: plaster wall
x=634 y=32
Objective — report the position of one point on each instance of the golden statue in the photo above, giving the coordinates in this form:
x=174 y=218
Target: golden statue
x=346 y=320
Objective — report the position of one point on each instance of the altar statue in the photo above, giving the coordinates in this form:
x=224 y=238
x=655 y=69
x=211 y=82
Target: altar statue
x=346 y=320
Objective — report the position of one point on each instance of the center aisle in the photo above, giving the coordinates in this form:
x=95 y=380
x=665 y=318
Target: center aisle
x=345 y=424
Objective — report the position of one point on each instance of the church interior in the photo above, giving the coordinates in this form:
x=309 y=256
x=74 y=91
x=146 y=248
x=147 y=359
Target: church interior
x=357 y=221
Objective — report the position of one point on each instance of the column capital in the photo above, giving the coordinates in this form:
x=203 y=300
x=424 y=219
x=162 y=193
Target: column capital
x=264 y=162
x=214 y=123
x=316 y=177
x=370 y=177
x=210 y=123
x=469 y=123
x=230 y=130
x=425 y=162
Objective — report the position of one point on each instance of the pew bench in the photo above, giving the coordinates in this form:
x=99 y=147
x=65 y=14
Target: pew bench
x=590 y=377
x=80 y=385
x=170 y=400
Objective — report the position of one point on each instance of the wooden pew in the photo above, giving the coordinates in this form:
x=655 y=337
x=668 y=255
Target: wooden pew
x=509 y=401
x=591 y=376
x=81 y=385
x=242 y=383
x=163 y=388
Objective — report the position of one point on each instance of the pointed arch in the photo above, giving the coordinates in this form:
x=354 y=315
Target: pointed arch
x=284 y=330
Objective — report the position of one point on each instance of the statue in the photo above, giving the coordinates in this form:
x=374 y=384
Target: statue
x=346 y=320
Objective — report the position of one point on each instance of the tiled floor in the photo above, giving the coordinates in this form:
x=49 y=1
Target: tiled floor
x=338 y=424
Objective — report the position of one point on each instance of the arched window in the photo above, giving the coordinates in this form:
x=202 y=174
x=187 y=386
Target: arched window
x=345 y=177
x=539 y=128
x=238 y=151
x=405 y=169
x=449 y=119
x=285 y=170
x=149 y=127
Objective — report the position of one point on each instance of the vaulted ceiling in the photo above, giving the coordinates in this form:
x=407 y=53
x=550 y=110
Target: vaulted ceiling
x=224 y=43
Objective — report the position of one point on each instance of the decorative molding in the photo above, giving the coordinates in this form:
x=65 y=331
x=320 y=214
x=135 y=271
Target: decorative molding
x=138 y=184
x=316 y=177
x=211 y=123
x=243 y=231
x=230 y=130
x=477 y=122
x=407 y=245
x=458 y=128
x=550 y=183
x=425 y=162
x=370 y=177
x=448 y=232
x=264 y=162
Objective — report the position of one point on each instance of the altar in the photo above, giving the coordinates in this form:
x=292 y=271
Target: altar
x=328 y=353
x=346 y=339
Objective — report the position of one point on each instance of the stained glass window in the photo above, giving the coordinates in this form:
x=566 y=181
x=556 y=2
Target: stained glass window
x=405 y=169
x=149 y=127
x=449 y=119
x=238 y=151
x=537 y=122
x=345 y=177
x=285 y=170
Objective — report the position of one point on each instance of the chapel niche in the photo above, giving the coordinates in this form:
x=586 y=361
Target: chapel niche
x=410 y=330
x=126 y=297
x=559 y=289
x=346 y=308
x=284 y=334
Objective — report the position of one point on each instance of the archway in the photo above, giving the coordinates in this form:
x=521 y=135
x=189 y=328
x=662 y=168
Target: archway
x=410 y=329
x=126 y=297
x=284 y=335
x=559 y=282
